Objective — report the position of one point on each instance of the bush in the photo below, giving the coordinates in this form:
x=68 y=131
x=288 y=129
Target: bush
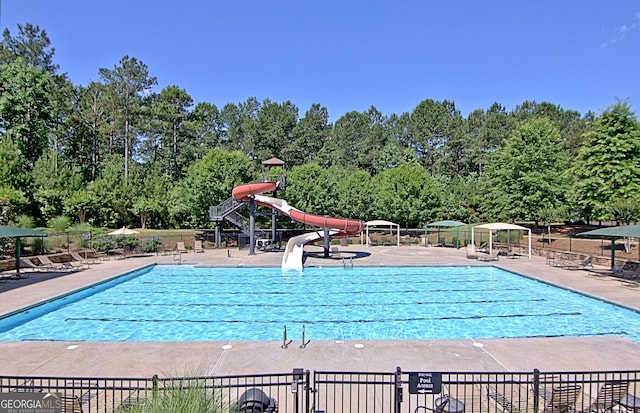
x=150 y=244
x=103 y=244
x=59 y=224
x=39 y=246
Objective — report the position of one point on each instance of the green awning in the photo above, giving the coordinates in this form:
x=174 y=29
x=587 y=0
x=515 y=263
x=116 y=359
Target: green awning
x=17 y=233
x=622 y=231
x=446 y=224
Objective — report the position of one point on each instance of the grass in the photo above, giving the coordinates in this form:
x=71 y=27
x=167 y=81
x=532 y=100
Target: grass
x=179 y=395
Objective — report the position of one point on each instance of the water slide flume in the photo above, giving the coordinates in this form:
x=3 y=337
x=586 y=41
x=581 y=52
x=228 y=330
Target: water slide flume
x=293 y=253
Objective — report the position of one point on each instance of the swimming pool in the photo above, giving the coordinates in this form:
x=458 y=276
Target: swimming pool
x=180 y=303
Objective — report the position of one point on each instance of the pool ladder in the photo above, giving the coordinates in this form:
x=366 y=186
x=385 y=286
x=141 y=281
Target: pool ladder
x=346 y=265
x=286 y=342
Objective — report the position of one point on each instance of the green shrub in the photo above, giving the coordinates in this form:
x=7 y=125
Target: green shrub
x=150 y=244
x=25 y=221
x=39 y=246
x=59 y=224
x=180 y=395
x=103 y=244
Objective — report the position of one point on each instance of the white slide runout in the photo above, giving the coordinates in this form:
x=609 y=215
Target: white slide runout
x=294 y=251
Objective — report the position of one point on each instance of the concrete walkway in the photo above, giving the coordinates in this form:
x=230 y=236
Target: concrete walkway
x=143 y=359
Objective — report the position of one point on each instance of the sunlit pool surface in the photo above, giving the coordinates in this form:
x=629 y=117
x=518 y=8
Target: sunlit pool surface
x=180 y=303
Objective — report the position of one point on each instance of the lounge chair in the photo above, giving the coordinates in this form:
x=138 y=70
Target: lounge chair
x=197 y=246
x=628 y=270
x=609 y=396
x=335 y=252
x=28 y=265
x=56 y=266
x=490 y=257
x=89 y=261
x=585 y=264
x=180 y=248
x=562 y=399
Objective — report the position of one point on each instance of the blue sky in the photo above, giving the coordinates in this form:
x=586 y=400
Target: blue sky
x=352 y=54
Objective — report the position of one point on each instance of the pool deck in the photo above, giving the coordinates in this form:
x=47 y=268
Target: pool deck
x=143 y=359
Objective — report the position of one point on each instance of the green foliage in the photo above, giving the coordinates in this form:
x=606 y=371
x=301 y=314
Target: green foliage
x=6 y=208
x=608 y=166
x=626 y=211
x=461 y=199
x=30 y=44
x=25 y=221
x=26 y=108
x=59 y=224
x=312 y=189
x=150 y=244
x=103 y=244
x=406 y=195
x=12 y=165
x=527 y=174
x=113 y=194
x=208 y=181
x=115 y=152
x=79 y=204
x=53 y=183
x=39 y=246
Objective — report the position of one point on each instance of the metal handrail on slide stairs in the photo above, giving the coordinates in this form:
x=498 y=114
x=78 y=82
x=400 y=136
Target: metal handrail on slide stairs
x=227 y=210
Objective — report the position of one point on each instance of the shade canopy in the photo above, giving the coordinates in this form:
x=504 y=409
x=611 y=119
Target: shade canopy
x=123 y=231
x=17 y=233
x=382 y=223
x=499 y=226
x=446 y=224
x=622 y=231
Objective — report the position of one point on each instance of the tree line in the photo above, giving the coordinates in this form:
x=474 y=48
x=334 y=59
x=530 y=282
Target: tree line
x=119 y=152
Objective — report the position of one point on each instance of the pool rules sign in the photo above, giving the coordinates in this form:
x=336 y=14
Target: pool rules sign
x=425 y=383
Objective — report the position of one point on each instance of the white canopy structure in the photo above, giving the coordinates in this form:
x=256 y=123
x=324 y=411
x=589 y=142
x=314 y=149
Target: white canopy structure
x=499 y=226
x=382 y=223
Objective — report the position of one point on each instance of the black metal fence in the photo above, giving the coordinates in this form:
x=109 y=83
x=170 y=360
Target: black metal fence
x=325 y=391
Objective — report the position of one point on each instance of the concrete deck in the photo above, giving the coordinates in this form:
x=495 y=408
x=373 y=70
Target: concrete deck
x=143 y=359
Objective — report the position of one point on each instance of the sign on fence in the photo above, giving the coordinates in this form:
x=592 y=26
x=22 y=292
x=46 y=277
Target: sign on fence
x=425 y=383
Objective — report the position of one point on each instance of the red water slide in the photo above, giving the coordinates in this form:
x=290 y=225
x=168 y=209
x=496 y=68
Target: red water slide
x=245 y=191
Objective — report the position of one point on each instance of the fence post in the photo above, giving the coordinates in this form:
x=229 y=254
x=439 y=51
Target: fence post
x=307 y=390
x=398 y=390
x=536 y=389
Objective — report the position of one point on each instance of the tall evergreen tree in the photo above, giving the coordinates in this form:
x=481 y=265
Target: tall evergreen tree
x=128 y=84
x=32 y=45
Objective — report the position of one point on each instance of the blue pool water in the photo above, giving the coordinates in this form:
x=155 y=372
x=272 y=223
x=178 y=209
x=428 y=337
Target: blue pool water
x=178 y=303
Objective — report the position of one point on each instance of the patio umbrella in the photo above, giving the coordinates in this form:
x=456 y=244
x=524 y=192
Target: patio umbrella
x=123 y=231
x=17 y=233
x=622 y=231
